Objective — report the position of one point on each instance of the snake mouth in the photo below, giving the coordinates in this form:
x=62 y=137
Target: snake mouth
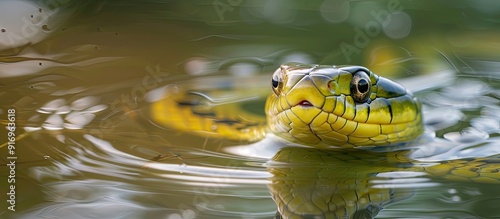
x=305 y=103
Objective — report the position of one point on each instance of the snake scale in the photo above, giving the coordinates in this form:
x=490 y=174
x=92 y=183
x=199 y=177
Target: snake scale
x=338 y=112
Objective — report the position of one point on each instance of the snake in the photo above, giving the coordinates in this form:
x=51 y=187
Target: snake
x=339 y=113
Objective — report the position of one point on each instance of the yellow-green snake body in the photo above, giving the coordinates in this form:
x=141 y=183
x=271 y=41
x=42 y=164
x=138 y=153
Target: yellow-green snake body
x=340 y=106
x=335 y=110
x=315 y=105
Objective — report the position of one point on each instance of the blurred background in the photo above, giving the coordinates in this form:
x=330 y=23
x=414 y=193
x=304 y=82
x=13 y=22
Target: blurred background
x=397 y=37
x=82 y=74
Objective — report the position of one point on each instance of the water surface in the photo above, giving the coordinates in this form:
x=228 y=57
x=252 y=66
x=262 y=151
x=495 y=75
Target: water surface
x=82 y=83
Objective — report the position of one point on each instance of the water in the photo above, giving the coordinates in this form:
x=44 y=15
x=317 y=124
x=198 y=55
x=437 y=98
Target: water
x=83 y=78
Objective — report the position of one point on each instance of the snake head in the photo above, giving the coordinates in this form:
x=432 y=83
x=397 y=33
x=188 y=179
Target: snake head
x=348 y=106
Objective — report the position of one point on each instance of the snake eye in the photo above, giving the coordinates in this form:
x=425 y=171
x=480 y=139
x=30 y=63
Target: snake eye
x=276 y=81
x=360 y=87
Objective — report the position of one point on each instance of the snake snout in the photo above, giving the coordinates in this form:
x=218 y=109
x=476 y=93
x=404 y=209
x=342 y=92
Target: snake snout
x=305 y=103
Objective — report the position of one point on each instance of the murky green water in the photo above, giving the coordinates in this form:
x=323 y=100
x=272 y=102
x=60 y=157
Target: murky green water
x=82 y=76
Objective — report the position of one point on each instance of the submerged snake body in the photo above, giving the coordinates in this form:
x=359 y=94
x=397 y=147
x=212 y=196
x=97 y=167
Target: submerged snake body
x=333 y=109
x=313 y=105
